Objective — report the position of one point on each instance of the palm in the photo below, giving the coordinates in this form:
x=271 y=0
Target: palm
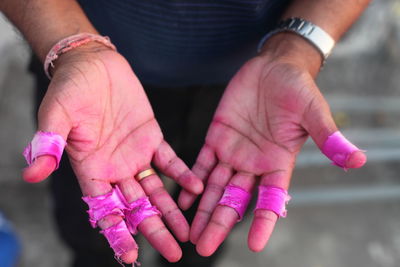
x=98 y=105
x=257 y=127
x=261 y=123
x=114 y=133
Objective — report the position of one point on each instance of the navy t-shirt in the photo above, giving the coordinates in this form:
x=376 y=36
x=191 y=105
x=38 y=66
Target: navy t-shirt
x=184 y=42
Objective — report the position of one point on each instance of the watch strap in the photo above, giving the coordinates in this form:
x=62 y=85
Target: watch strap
x=309 y=31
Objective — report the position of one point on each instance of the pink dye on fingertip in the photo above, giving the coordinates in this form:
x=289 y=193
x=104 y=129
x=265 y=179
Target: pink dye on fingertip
x=356 y=159
x=45 y=143
x=236 y=198
x=119 y=239
x=273 y=198
x=138 y=211
x=338 y=149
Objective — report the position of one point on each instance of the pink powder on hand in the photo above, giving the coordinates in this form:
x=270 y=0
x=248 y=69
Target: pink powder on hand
x=138 y=211
x=101 y=206
x=44 y=143
x=338 y=149
x=236 y=198
x=273 y=198
x=119 y=239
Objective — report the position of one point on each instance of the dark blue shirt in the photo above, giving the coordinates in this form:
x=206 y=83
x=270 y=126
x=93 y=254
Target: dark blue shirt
x=184 y=42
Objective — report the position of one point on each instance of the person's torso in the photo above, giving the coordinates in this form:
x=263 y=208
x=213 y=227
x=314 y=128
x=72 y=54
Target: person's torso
x=184 y=42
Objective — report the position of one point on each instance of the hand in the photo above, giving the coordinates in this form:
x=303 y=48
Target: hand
x=264 y=117
x=98 y=105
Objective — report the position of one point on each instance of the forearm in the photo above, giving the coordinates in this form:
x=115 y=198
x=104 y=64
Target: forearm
x=333 y=16
x=44 y=22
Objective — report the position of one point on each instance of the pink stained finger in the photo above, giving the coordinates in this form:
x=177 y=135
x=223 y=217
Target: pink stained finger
x=261 y=229
x=106 y=211
x=137 y=211
x=160 y=238
x=45 y=143
x=236 y=198
x=93 y=189
x=205 y=163
x=273 y=198
x=101 y=206
x=264 y=219
x=159 y=197
x=172 y=166
x=40 y=169
x=214 y=190
x=223 y=218
x=343 y=153
x=152 y=227
x=120 y=240
x=220 y=224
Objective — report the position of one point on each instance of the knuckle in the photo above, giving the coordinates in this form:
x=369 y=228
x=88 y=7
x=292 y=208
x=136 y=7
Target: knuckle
x=219 y=224
x=215 y=188
x=157 y=232
x=204 y=211
x=267 y=217
x=184 y=176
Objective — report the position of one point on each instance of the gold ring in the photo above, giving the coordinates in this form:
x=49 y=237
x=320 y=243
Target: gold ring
x=143 y=174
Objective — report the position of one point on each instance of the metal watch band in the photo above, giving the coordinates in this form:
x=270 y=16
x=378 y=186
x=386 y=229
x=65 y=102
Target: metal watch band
x=309 y=31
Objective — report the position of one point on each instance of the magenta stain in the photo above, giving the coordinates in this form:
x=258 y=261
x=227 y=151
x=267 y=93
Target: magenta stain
x=338 y=149
x=273 y=198
x=45 y=143
x=236 y=198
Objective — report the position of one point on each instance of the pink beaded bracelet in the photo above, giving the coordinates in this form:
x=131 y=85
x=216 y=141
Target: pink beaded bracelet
x=70 y=43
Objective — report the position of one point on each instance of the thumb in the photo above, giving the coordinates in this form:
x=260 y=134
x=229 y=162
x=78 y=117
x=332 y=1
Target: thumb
x=319 y=123
x=44 y=152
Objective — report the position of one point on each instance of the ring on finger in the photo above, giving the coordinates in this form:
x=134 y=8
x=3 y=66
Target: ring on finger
x=143 y=174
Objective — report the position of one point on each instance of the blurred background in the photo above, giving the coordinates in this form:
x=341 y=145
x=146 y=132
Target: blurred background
x=335 y=218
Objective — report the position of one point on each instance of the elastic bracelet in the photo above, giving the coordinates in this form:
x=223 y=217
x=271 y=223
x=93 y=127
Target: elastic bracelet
x=237 y=198
x=70 y=43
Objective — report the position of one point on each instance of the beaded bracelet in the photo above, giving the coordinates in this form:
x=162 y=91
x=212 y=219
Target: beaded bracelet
x=70 y=43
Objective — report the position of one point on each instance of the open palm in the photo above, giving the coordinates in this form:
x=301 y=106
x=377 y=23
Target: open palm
x=263 y=119
x=98 y=105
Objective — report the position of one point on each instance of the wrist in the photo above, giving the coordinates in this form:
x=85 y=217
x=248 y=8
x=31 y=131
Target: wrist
x=76 y=43
x=85 y=52
x=294 y=49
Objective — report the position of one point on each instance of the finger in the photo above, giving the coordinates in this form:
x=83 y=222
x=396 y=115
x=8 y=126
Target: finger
x=205 y=163
x=172 y=166
x=160 y=198
x=51 y=120
x=152 y=227
x=320 y=125
x=219 y=178
x=223 y=219
x=120 y=239
x=40 y=169
x=264 y=220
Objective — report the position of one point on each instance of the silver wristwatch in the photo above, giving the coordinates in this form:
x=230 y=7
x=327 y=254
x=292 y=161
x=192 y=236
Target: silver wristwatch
x=309 y=31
